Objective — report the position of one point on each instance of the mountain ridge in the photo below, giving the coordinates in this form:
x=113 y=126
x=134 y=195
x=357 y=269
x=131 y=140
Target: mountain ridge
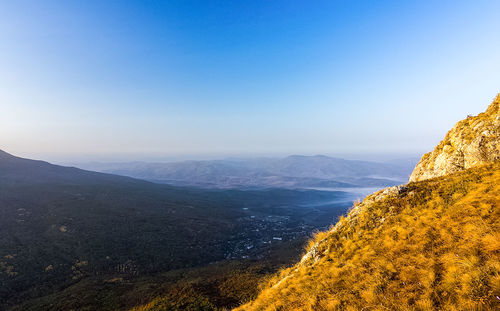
x=294 y=171
x=18 y=169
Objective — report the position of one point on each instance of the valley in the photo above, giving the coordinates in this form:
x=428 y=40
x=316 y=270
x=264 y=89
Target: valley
x=62 y=228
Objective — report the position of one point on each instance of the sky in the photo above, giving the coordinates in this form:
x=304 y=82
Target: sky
x=150 y=79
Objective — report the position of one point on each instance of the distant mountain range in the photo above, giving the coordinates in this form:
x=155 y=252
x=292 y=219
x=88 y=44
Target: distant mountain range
x=294 y=171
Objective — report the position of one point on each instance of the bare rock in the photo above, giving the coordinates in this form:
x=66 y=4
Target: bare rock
x=472 y=142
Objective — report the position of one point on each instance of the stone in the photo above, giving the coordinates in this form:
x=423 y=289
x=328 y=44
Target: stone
x=472 y=142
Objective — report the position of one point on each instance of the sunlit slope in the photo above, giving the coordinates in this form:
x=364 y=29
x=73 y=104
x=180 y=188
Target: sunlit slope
x=433 y=244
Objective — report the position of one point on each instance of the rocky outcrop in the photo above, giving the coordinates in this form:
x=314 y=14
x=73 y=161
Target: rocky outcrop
x=472 y=142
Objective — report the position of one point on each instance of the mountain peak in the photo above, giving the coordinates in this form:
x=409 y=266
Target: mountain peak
x=471 y=142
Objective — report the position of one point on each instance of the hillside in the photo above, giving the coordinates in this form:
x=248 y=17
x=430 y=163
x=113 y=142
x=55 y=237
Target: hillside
x=65 y=231
x=433 y=244
x=16 y=170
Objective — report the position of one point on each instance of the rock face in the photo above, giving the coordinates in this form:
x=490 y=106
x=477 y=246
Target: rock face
x=472 y=142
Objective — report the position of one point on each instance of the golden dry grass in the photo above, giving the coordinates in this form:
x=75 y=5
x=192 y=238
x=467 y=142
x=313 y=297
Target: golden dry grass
x=434 y=247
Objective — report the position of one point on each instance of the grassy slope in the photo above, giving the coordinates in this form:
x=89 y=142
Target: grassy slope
x=436 y=246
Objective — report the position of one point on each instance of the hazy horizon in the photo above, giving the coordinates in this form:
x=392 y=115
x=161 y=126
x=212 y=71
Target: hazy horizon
x=194 y=79
x=81 y=158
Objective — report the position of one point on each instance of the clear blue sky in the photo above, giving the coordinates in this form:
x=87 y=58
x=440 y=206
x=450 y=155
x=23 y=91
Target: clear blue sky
x=241 y=77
